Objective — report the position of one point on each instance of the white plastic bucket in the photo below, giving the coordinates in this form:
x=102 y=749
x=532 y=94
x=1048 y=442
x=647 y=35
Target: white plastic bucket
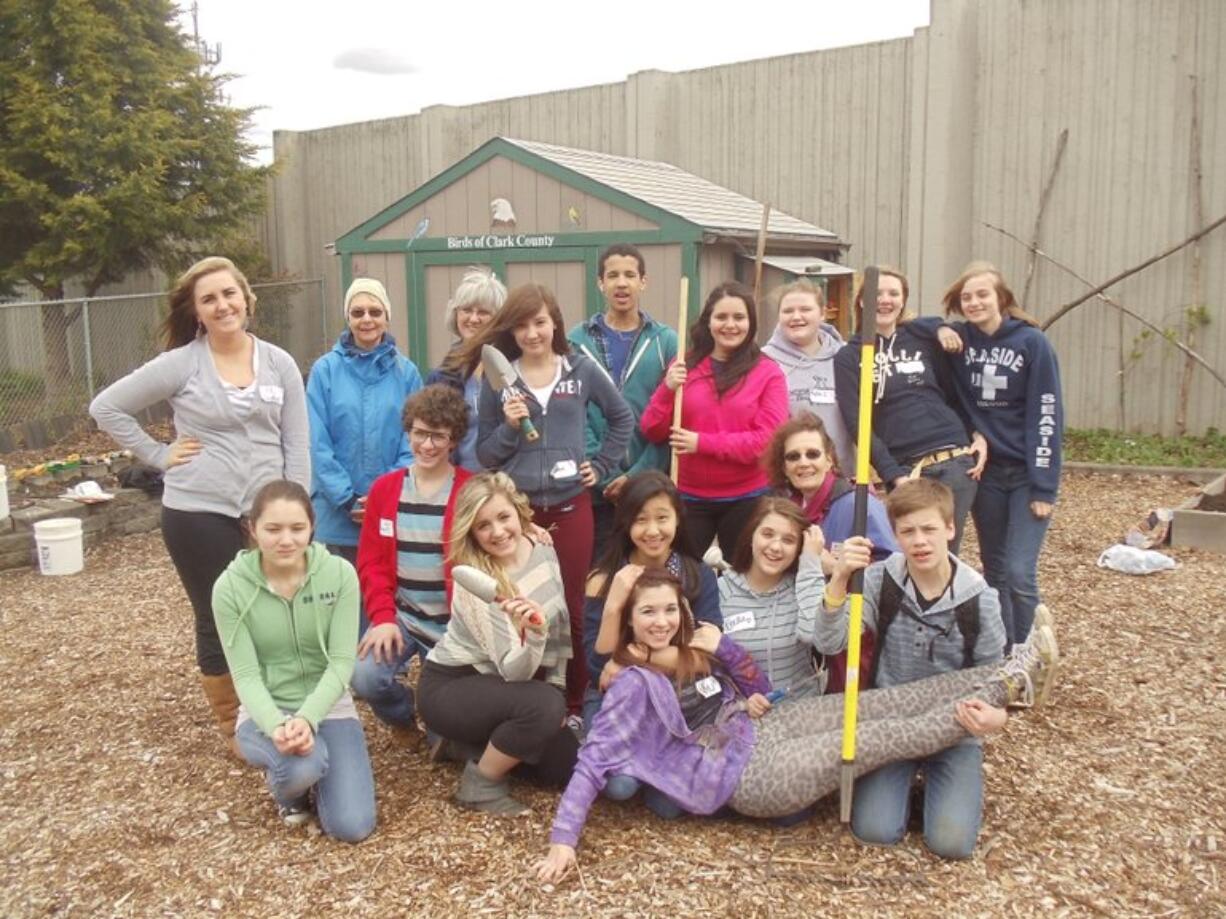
x=60 y=545
x=4 y=493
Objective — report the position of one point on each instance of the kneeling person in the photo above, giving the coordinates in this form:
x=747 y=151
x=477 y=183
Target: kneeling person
x=401 y=553
x=931 y=613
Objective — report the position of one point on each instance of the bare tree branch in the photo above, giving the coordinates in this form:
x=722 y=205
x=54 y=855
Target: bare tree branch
x=1098 y=292
x=1119 y=277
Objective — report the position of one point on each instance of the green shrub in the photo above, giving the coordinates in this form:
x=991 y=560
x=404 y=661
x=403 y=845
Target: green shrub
x=1103 y=446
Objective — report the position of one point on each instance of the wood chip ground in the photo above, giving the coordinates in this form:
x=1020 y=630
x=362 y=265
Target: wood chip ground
x=115 y=799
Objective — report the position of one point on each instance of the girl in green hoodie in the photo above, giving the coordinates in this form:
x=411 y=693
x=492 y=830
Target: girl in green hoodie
x=287 y=614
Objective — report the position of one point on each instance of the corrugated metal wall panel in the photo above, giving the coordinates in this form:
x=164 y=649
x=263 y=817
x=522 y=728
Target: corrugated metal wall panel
x=904 y=148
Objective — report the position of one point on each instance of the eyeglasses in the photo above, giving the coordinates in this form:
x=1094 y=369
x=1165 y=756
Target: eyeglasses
x=793 y=456
x=437 y=438
x=374 y=312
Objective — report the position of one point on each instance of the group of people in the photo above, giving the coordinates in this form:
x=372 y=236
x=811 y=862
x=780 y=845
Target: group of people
x=525 y=544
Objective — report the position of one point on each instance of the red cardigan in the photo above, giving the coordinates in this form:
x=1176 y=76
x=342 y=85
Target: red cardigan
x=377 y=543
x=732 y=432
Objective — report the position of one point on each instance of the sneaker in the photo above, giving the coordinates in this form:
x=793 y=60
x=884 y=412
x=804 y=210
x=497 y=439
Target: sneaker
x=575 y=723
x=1030 y=671
x=489 y=796
x=296 y=813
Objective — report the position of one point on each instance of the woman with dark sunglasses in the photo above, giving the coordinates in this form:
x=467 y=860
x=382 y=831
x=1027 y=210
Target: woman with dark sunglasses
x=355 y=395
x=802 y=464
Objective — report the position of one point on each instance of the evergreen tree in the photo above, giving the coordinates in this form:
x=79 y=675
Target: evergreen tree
x=118 y=150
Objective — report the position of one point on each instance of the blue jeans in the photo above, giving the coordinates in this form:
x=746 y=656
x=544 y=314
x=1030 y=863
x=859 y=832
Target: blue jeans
x=1010 y=538
x=376 y=683
x=624 y=787
x=338 y=768
x=953 y=474
x=953 y=801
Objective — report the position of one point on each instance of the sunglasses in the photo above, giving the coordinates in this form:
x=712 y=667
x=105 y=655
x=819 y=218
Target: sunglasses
x=374 y=312
x=794 y=456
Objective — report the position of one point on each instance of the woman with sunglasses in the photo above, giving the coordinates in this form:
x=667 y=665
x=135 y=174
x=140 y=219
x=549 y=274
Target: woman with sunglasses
x=803 y=466
x=354 y=398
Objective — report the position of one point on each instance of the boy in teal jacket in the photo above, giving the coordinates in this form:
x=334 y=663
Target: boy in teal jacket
x=634 y=350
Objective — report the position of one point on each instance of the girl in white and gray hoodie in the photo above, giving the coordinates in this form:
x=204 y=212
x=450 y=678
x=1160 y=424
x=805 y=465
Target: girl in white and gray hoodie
x=804 y=347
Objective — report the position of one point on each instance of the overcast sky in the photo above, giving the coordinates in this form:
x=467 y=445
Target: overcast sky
x=313 y=64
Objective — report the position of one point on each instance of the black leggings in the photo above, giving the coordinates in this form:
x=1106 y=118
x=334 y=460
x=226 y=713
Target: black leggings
x=522 y=719
x=707 y=519
x=201 y=545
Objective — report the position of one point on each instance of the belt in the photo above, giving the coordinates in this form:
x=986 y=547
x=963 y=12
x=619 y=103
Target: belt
x=932 y=459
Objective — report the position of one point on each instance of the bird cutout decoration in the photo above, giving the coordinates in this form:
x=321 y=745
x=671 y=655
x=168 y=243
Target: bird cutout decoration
x=423 y=226
x=574 y=216
x=502 y=215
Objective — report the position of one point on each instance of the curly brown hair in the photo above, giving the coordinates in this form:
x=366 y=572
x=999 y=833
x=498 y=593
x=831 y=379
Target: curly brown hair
x=439 y=406
x=772 y=459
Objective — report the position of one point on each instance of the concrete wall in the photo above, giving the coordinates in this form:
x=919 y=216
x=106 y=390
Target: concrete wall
x=905 y=148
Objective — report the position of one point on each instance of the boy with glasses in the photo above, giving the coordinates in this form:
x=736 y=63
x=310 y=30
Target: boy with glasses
x=402 y=553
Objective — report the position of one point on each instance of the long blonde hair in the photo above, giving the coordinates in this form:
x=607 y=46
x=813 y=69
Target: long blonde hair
x=952 y=297
x=463 y=548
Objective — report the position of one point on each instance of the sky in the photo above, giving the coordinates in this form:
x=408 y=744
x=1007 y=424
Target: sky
x=309 y=64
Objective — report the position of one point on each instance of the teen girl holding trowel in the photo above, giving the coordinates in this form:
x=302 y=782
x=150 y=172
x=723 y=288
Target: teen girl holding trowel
x=551 y=393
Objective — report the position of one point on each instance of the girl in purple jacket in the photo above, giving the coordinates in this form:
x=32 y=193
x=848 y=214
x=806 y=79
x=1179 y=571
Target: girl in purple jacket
x=689 y=715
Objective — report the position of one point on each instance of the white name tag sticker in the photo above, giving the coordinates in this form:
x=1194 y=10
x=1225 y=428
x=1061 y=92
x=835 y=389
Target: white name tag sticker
x=821 y=397
x=739 y=622
x=565 y=469
x=386 y=527
x=910 y=366
x=273 y=394
x=707 y=686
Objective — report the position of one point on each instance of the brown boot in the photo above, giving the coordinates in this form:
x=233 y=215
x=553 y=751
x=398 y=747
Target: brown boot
x=224 y=701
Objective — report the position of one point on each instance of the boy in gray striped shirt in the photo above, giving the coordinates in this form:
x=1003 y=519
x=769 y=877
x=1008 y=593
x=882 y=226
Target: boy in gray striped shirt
x=936 y=595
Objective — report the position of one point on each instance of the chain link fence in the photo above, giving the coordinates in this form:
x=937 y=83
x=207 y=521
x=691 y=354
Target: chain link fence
x=55 y=355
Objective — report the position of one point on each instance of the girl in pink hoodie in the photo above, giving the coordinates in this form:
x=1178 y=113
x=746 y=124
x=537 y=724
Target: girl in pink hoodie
x=734 y=398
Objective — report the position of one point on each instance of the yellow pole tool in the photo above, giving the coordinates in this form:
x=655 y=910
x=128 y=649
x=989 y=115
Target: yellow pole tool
x=855 y=590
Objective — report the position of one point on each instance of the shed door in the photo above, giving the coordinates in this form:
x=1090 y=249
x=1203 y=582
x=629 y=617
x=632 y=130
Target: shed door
x=565 y=279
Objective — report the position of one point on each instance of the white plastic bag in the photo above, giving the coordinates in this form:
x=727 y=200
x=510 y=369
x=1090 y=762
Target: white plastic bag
x=1131 y=560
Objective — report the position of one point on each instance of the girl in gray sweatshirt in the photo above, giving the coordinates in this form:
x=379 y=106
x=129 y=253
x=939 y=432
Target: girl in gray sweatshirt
x=770 y=597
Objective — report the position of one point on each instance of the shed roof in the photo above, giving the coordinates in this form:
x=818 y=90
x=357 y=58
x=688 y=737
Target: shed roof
x=713 y=207
x=803 y=265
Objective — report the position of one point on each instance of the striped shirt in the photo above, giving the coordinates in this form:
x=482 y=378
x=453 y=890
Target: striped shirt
x=480 y=634
x=777 y=628
x=421 y=592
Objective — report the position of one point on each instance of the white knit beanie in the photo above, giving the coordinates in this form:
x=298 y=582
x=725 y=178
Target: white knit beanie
x=367 y=286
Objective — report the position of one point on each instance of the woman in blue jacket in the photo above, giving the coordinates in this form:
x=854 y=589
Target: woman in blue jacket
x=1009 y=383
x=355 y=395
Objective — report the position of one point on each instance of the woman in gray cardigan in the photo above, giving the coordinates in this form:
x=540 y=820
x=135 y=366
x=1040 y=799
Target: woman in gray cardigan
x=241 y=420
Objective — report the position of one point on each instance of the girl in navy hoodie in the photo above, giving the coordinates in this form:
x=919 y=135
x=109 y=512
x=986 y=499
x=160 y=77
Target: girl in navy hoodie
x=919 y=428
x=1009 y=383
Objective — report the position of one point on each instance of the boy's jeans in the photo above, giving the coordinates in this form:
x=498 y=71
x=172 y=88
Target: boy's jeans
x=953 y=801
x=338 y=768
x=1010 y=538
x=376 y=683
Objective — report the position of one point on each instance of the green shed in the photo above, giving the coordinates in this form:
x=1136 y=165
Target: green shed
x=542 y=213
